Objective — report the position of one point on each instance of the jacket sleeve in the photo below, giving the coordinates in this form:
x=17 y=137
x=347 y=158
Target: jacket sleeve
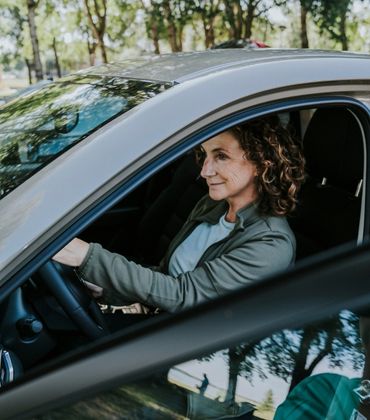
x=258 y=257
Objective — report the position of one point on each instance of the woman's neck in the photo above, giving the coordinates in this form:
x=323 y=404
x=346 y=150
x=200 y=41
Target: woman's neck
x=237 y=204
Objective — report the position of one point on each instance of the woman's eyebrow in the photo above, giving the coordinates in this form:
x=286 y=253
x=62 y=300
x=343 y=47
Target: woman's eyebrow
x=219 y=149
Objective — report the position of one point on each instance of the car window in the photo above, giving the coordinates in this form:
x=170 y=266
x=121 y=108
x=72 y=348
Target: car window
x=35 y=129
x=311 y=372
x=329 y=202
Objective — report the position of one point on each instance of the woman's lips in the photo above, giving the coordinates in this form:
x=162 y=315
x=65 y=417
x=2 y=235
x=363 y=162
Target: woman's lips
x=216 y=184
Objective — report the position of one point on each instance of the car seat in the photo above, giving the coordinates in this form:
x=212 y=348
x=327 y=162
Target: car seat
x=166 y=215
x=329 y=206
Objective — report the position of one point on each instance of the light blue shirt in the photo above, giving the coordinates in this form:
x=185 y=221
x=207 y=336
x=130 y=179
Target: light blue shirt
x=186 y=256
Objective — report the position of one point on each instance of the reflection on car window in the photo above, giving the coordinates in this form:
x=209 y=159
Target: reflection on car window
x=313 y=372
x=37 y=128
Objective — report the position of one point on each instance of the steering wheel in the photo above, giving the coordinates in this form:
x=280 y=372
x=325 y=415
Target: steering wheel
x=74 y=299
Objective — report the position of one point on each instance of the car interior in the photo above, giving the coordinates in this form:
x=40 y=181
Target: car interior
x=34 y=327
x=328 y=211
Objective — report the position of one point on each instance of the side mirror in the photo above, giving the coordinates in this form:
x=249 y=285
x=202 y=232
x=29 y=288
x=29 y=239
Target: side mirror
x=66 y=120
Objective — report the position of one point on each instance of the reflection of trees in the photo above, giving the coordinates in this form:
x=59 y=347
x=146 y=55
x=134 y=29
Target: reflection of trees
x=293 y=355
x=267 y=404
x=242 y=361
x=46 y=120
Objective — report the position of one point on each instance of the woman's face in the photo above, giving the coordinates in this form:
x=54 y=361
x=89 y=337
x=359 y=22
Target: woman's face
x=229 y=174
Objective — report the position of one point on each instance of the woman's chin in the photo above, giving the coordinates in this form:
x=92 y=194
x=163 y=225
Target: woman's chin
x=216 y=196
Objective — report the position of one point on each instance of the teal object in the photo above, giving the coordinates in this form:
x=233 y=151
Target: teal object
x=325 y=396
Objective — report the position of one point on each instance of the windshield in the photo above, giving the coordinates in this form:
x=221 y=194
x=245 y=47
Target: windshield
x=37 y=128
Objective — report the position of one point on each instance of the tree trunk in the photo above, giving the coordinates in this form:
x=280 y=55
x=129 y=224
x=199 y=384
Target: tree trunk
x=31 y=7
x=209 y=32
x=304 y=37
x=239 y=20
x=299 y=371
x=92 y=53
x=179 y=37
x=155 y=38
x=172 y=37
x=57 y=65
x=98 y=29
x=152 y=27
x=229 y=13
x=91 y=47
x=343 y=35
x=103 y=50
x=235 y=358
x=29 y=70
x=171 y=28
x=249 y=20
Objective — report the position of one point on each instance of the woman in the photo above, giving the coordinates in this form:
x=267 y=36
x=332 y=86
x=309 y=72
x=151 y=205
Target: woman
x=234 y=236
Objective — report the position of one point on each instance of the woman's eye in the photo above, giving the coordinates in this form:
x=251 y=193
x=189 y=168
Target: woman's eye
x=221 y=156
x=200 y=157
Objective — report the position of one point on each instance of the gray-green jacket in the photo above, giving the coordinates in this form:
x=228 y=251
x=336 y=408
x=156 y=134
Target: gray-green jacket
x=257 y=246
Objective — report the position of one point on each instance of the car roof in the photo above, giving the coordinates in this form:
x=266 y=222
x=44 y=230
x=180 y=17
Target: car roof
x=177 y=68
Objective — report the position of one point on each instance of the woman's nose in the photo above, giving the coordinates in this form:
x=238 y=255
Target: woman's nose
x=207 y=169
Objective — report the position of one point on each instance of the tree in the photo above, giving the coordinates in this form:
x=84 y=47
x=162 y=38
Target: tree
x=243 y=360
x=12 y=20
x=31 y=14
x=154 y=22
x=166 y=19
x=240 y=15
x=177 y=14
x=22 y=14
x=57 y=65
x=305 y=7
x=208 y=10
x=293 y=355
x=331 y=17
x=267 y=404
x=96 y=14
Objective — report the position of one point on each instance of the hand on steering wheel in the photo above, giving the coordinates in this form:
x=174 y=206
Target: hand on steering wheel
x=73 y=297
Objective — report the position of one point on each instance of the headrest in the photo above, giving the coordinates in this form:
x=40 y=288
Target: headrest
x=333 y=147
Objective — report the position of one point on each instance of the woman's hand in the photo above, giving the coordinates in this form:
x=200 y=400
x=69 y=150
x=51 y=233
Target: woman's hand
x=73 y=253
x=94 y=290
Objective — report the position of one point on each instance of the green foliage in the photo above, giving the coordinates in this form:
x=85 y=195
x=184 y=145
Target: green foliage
x=136 y=26
x=12 y=20
x=267 y=404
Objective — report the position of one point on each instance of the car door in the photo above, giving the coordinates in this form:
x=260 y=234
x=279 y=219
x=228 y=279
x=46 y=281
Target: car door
x=156 y=371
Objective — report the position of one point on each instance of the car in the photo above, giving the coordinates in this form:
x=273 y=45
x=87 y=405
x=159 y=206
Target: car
x=241 y=43
x=24 y=91
x=99 y=155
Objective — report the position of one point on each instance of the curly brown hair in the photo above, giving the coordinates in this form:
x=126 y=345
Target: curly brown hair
x=279 y=161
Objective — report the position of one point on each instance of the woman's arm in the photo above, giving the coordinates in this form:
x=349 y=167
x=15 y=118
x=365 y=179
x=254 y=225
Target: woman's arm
x=242 y=265
x=73 y=253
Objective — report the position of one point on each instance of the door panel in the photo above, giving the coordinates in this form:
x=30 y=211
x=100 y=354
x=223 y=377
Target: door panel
x=312 y=372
